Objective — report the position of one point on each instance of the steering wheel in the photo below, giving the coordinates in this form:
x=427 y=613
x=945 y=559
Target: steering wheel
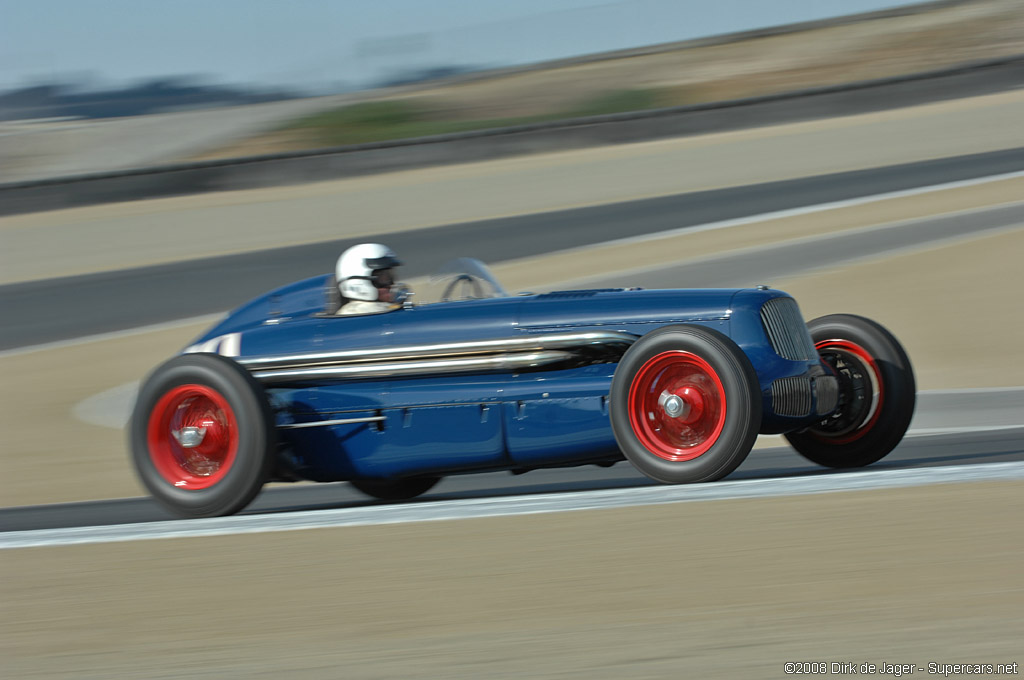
x=471 y=284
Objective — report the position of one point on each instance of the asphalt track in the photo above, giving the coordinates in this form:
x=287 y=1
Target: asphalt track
x=995 y=432
x=1001 y=444
x=762 y=265
x=998 y=446
x=59 y=309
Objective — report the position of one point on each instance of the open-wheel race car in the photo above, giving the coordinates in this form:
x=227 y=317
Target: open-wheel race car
x=677 y=382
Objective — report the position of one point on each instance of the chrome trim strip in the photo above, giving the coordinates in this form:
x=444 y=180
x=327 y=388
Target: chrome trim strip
x=407 y=368
x=342 y=421
x=535 y=343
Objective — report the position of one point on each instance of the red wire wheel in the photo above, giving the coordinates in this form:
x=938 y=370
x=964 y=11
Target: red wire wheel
x=877 y=393
x=685 y=404
x=677 y=405
x=202 y=436
x=192 y=436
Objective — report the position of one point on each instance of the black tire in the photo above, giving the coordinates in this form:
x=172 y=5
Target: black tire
x=706 y=432
x=395 y=489
x=877 y=393
x=224 y=471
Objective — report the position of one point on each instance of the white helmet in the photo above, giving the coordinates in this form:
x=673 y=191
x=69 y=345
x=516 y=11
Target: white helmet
x=357 y=271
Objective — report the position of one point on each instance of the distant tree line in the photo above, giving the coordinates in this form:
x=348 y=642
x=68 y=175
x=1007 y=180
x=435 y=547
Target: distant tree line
x=155 y=96
x=426 y=74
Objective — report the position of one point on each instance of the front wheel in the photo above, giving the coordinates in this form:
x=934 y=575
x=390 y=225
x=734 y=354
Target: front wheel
x=877 y=393
x=202 y=436
x=685 y=405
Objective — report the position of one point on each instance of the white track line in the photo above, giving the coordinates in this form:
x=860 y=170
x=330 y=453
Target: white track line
x=514 y=505
x=810 y=209
x=725 y=224
x=961 y=429
x=930 y=244
x=973 y=390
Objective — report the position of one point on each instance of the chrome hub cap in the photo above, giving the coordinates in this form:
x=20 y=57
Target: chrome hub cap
x=189 y=437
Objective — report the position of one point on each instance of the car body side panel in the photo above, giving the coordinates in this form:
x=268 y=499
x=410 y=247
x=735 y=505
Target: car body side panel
x=442 y=423
x=319 y=453
x=450 y=424
x=560 y=418
x=445 y=424
x=436 y=439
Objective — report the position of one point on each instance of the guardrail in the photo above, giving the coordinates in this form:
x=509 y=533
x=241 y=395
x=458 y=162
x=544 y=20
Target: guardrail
x=972 y=79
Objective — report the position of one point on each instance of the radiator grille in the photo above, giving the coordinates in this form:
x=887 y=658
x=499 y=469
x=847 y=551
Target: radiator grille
x=827 y=389
x=792 y=396
x=786 y=330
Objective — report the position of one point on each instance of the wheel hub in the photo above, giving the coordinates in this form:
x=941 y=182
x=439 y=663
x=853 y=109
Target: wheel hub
x=189 y=437
x=685 y=405
x=673 y=405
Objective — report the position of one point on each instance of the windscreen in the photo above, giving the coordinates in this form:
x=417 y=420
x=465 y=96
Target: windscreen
x=465 y=278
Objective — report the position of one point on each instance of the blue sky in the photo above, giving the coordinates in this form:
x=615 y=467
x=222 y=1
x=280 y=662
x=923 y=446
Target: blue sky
x=326 y=43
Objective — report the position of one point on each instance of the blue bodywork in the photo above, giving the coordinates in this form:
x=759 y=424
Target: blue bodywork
x=443 y=424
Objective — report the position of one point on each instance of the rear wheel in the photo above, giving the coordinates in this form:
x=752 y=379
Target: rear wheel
x=202 y=436
x=685 y=405
x=396 y=489
x=877 y=393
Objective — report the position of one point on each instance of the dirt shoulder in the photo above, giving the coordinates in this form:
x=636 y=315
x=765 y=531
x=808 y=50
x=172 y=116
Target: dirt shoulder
x=723 y=589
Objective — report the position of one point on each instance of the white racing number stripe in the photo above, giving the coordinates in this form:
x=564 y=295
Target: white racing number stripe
x=515 y=505
x=229 y=345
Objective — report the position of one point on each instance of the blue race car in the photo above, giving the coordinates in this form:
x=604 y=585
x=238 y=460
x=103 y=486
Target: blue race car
x=677 y=382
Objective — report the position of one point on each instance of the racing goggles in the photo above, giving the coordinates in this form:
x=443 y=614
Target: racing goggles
x=382 y=278
x=385 y=262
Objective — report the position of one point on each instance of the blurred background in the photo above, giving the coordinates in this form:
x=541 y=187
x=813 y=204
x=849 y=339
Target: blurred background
x=112 y=84
x=161 y=163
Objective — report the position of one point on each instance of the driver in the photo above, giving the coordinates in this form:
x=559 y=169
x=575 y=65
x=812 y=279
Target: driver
x=365 y=275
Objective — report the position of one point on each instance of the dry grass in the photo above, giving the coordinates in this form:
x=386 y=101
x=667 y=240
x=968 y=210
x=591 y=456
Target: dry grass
x=869 y=49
